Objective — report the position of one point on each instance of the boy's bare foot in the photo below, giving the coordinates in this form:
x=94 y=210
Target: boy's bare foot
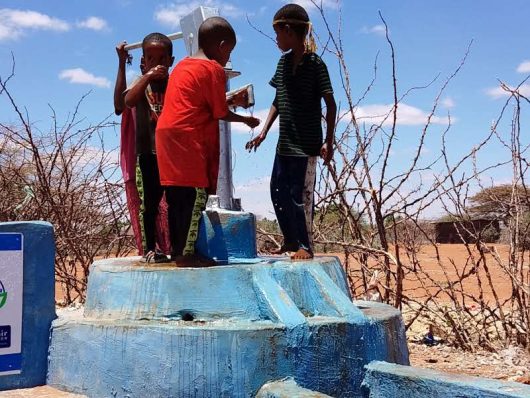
x=302 y=254
x=193 y=260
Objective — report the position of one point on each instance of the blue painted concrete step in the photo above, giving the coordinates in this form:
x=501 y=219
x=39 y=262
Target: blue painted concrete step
x=220 y=331
x=256 y=289
x=390 y=380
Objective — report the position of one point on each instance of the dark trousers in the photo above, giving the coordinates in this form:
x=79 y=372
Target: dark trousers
x=151 y=193
x=287 y=186
x=185 y=206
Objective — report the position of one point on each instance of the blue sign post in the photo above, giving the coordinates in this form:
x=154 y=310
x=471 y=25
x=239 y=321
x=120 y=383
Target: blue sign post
x=11 y=294
x=27 y=302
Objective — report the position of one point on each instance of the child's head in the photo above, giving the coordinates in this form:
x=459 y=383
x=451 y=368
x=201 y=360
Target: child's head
x=157 y=50
x=291 y=24
x=217 y=39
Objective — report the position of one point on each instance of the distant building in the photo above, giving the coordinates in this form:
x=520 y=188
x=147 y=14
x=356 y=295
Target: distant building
x=489 y=231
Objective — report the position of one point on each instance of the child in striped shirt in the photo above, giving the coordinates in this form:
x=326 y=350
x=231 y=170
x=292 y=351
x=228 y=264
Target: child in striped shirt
x=301 y=81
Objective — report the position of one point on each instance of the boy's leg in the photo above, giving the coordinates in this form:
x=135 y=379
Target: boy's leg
x=282 y=203
x=140 y=188
x=178 y=199
x=152 y=193
x=298 y=167
x=192 y=221
x=185 y=210
x=309 y=196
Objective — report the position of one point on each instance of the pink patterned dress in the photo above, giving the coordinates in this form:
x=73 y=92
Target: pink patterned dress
x=128 y=168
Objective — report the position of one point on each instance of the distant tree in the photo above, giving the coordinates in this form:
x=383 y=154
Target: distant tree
x=500 y=201
x=509 y=203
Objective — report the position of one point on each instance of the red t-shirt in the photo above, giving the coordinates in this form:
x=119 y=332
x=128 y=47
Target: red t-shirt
x=187 y=133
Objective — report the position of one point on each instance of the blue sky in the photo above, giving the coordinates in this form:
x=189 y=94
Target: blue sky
x=64 y=49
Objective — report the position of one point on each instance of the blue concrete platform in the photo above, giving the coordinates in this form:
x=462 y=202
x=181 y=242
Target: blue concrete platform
x=385 y=380
x=222 y=331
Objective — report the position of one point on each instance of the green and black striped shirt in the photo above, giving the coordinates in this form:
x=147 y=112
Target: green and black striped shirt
x=298 y=100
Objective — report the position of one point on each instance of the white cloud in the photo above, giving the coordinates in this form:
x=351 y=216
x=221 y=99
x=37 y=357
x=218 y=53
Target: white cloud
x=258 y=185
x=448 y=103
x=81 y=76
x=310 y=6
x=406 y=115
x=255 y=197
x=131 y=75
x=241 y=128
x=5 y=32
x=15 y=23
x=92 y=155
x=496 y=92
x=376 y=30
x=93 y=23
x=228 y=10
x=499 y=92
x=524 y=67
x=171 y=14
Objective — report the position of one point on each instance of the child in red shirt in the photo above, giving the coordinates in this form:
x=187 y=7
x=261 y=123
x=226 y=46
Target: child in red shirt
x=187 y=143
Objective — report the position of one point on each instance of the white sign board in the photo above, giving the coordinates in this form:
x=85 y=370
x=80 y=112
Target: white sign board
x=11 y=282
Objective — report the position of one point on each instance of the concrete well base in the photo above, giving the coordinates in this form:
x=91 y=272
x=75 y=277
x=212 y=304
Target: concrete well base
x=221 y=331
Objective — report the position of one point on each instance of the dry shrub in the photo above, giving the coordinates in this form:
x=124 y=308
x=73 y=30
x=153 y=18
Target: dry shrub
x=372 y=207
x=67 y=177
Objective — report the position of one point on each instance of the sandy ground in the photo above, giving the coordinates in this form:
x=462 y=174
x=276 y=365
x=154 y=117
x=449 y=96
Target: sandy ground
x=444 y=263
x=512 y=364
x=38 y=392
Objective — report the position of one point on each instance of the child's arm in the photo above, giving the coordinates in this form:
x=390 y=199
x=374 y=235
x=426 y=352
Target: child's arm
x=255 y=143
x=137 y=91
x=248 y=120
x=121 y=81
x=326 y=152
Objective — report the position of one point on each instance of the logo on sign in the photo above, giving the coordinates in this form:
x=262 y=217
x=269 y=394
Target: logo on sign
x=3 y=295
x=5 y=336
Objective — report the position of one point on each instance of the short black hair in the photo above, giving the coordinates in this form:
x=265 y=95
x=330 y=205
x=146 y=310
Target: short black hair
x=298 y=17
x=213 y=31
x=158 y=38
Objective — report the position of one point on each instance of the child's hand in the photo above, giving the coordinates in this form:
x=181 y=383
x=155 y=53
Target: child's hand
x=158 y=72
x=255 y=143
x=123 y=54
x=326 y=152
x=252 y=122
